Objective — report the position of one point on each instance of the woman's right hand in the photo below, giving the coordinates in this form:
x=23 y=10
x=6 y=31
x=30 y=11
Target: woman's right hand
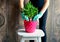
x=24 y=17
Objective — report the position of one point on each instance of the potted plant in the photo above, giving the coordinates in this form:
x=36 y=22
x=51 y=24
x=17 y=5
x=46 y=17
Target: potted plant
x=30 y=11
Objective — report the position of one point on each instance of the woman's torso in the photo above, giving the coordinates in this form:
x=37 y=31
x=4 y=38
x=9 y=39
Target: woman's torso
x=37 y=3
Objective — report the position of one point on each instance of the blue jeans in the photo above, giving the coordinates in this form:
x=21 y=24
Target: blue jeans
x=42 y=25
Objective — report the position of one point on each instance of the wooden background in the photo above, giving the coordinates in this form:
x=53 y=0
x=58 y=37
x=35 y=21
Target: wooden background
x=8 y=9
x=53 y=21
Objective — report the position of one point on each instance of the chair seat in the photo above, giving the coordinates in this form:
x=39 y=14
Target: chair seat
x=37 y=33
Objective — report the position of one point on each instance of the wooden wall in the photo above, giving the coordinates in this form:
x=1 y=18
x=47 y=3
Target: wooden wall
x=8 y=13
x=53 y=21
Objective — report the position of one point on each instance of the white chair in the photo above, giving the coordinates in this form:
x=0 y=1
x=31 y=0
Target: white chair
x=30 y=36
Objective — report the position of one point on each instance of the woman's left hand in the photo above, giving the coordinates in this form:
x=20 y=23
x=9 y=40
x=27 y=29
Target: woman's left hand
x=37 y=16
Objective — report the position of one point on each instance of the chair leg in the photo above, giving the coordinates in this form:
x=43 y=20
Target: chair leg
x=21 y=40
x=36 y=40
x=39 y=39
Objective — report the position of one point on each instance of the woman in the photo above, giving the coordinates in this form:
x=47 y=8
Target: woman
x=42 y=6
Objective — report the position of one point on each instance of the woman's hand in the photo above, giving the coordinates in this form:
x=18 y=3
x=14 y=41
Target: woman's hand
x=24 y=17
x=45 y=6
x=36 y=17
